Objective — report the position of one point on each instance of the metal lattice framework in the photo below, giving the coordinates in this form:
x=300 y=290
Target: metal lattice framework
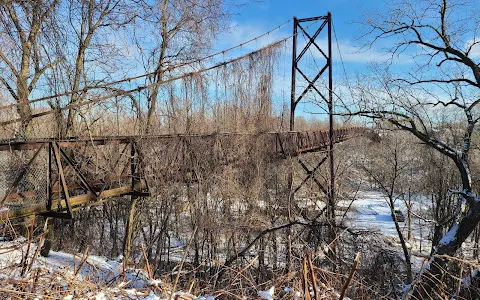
x=298 y=29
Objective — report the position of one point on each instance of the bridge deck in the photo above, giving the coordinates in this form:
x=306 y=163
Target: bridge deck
x=296 y=141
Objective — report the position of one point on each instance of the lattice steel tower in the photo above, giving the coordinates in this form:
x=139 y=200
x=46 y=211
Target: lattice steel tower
x=300 y=27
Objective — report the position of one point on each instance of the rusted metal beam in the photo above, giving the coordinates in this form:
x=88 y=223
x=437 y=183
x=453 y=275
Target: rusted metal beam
x=49 y=177
x=32 y=144
x=311 y=174
x=74 y=202
x=83 y=180
x=56 y=154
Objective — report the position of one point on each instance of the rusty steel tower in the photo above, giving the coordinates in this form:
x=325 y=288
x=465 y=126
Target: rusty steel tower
x=300 y=27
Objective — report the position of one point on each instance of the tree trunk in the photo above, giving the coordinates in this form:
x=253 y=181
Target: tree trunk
x=447 y=246
x=406 y=253
x=127 y=242
x=47 y=244
x=159 y=70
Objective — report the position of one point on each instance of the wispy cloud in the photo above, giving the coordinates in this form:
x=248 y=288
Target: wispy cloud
x=475 y=51
x=350 y=53
x=241 y=33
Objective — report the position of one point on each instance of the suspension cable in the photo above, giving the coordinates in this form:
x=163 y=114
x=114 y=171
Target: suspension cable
x=143 y=87
x=139 y=88
x=170 y=68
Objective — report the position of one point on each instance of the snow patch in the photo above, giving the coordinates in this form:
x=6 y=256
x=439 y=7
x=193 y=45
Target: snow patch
x=450 y=236
x=100 y=296
x=268 y=294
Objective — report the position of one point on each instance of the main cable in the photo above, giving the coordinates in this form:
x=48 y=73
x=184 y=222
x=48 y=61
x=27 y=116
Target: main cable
x=344 y=70
x=140 y=88
x=170 y=68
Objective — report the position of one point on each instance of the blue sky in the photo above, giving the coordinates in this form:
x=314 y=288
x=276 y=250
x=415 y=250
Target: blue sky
x=272 y=12
x=258 y=17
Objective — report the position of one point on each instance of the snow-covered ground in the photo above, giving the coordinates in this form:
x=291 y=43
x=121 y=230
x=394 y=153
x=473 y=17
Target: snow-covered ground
x=370 y=211
x=100 y=278
x=67 y=276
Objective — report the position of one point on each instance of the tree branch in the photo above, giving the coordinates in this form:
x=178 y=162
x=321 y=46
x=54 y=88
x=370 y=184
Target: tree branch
x=37 y=75
x=244 y=250
x=9 y=63
x=9 y=88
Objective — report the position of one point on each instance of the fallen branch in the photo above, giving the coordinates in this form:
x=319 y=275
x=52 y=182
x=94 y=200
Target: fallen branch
x=267 y=231
x=82 y=262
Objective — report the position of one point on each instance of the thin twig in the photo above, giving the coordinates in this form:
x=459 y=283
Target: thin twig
x=349 y=279
x=149 y=271
x=181 y=263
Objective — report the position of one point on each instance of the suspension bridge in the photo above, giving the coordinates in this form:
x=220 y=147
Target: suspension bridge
x=54 y=177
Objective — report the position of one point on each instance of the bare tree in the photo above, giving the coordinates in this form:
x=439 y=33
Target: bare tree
x=389 y=166
x=184 y=30
x=87 y=19
x=439 y=40
x=23 y=27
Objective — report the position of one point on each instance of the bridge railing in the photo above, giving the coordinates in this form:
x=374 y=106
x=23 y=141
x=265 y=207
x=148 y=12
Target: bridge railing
x=293 y=143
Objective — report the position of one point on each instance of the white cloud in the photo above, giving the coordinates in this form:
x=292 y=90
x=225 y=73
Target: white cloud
x=241 y=33
x=475 y=51
x=354 y=54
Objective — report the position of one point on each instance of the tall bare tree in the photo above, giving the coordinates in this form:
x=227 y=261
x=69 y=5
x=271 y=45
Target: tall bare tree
x=88 y=20
x=183 y=30
x=439 y=39
x=390 y=165
x=23 y=27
